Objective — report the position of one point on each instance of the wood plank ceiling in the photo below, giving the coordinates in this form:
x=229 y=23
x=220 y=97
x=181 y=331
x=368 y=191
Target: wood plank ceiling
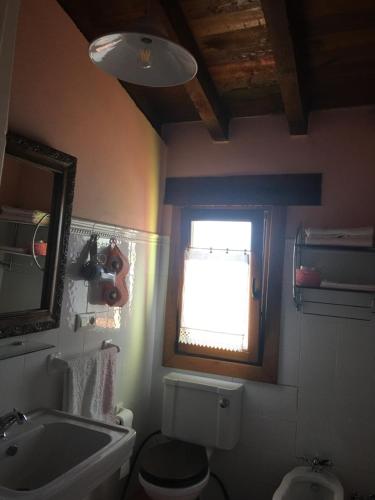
x=255 y=56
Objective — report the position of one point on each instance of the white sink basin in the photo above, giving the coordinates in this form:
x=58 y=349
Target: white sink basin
x=60 y=456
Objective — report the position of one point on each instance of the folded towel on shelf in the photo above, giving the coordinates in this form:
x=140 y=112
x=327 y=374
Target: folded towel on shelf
x=362 y=236
x=347 y=242
x=340 y=233
x=348 y=286
x=24 y=215
x=89 y=385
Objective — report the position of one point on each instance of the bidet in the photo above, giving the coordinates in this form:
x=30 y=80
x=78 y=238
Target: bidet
x=306 y=483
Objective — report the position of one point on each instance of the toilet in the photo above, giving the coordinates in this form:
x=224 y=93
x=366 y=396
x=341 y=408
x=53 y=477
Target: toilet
x=199 y=415
x=303 y=482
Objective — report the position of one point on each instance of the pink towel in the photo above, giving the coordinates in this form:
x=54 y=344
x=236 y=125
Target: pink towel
x=108 y=373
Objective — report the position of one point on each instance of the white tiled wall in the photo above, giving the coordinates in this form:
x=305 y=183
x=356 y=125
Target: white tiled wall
x=25 y=382
x=323 y=404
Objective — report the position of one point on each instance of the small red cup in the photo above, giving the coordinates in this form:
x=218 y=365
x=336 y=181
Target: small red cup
x=308 y=276
x=40 y=248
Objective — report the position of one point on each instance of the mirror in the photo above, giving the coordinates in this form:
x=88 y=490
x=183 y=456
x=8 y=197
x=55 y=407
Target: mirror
x=24 y=217
x=36 y=196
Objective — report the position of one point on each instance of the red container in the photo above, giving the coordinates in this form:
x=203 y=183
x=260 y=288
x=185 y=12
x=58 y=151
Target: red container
x=40 y=248
x=308 y=276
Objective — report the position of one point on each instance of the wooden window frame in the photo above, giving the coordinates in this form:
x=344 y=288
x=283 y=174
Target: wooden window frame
x=256 y=217
x=261 y=362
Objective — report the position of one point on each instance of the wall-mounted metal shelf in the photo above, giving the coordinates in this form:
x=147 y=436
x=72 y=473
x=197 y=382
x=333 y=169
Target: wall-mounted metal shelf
x=344 y=299
x=42 y=223
x=25 y=223
x=335 y=248
x=334 y=289
x=20 y=348
x=19 y=253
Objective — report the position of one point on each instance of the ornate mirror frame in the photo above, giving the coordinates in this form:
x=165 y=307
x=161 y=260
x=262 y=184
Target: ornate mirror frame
x=63 y=166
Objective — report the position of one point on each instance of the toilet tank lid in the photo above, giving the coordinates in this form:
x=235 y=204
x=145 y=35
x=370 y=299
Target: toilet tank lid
x=201 y=383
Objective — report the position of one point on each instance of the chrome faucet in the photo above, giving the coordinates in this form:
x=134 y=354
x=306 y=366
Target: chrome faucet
x=317 y=464
x=9 y=419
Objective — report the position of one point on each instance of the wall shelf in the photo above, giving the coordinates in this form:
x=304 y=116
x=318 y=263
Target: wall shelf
x=25 y=223
x=20 y=348
x=18 y=253
x=12 y=249
x=335 y=248
x=349 y=275
x=334 y=289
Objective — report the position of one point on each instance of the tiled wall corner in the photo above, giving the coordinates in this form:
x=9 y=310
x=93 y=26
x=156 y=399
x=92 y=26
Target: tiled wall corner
x=323 y=404
x=25 y=382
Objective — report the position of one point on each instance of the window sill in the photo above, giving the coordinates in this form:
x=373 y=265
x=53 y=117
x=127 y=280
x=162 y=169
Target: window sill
x=264 y=373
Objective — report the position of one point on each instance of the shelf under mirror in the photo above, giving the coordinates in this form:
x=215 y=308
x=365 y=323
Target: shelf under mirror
x=20 y=348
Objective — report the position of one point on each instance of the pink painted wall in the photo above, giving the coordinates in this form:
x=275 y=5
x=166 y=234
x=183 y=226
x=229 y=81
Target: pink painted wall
x=340 y=144
x=61 y=99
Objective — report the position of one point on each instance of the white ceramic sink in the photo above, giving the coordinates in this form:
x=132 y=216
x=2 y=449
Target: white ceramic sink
x=60 y=456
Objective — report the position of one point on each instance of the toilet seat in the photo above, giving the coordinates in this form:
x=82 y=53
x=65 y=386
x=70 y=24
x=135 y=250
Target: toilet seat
x=174 y=464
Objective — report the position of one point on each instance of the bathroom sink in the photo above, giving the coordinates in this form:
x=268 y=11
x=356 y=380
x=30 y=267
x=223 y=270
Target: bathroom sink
x=60 y=456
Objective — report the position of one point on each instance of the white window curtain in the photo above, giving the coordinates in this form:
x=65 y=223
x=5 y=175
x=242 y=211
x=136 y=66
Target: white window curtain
x=215 y=299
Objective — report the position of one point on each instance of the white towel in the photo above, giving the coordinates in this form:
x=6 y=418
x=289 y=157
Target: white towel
x=357 y=232
x=89 y=385
x=24 y=215
x=359 y=237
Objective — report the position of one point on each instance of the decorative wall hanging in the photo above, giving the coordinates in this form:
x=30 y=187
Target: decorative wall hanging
x=106 y=273
x=116 y=294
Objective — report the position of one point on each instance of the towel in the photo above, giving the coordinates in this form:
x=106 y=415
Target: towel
x=362 y=236
x=89 y=385
x=24 y=215
x=345 y=242
x=357 y=232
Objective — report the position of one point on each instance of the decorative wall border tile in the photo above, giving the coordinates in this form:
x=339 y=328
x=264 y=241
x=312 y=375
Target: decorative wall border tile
x=86 y=227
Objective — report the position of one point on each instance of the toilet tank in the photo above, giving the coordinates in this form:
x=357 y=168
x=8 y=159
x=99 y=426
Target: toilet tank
x=202 y=410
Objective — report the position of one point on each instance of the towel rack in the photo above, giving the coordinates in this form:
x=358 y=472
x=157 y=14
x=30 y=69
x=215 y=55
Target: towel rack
x=56 y=363
x=106 y=344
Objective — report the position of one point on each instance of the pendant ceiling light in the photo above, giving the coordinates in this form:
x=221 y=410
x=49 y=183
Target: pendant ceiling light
x=144 y=57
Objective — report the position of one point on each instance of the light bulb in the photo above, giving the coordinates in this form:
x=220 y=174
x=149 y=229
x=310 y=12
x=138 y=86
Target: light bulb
x=144 y=53
x=143 y=58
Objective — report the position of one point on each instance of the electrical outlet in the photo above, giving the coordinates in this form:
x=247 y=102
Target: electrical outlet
x=85 y=320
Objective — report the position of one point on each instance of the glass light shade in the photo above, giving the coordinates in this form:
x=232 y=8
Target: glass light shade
x=143 y=59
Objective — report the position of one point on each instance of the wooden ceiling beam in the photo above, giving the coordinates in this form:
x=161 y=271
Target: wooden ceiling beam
x=201 y=89
x=275 y=13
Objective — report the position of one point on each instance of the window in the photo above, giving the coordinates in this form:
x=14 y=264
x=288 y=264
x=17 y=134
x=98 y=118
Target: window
x=215 y=301
x=219 y=310
x=218 y=300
